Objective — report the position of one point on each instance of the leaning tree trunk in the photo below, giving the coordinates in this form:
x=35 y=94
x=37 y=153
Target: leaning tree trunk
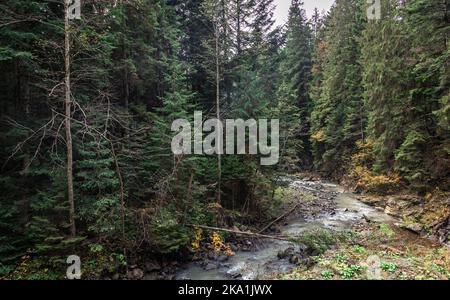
x=68 y=105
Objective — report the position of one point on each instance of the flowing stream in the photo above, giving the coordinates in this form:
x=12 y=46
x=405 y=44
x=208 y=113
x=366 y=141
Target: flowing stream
x=264 y=261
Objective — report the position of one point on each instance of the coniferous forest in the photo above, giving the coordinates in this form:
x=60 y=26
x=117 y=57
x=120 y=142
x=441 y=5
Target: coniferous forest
x=87 y=169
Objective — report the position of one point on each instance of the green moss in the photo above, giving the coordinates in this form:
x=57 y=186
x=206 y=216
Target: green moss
x=318 y=240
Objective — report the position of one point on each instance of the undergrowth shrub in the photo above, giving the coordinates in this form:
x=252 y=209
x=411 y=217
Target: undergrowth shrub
x=362 y=176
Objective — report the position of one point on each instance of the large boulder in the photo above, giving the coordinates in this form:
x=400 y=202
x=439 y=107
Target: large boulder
x=413 y=227
x=296 y=257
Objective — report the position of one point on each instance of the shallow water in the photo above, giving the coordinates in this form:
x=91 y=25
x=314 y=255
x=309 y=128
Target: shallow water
x=264 y=261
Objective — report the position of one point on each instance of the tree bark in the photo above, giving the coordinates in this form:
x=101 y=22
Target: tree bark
x=68 y=109
x=219 y=140
x=122 y=195
x=238 y=31
x=125 y=75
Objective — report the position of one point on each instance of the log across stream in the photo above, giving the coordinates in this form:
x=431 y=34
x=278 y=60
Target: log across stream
x=346 y=211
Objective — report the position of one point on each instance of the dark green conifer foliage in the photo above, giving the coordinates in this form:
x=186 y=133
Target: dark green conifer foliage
x=296 y=72
x=338 y=116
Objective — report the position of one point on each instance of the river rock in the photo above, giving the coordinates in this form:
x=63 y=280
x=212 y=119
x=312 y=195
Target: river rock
x=183 y=278
x=401 y=206
x=211 y=266
x=135 y=274
x=151 y=276
x=247 y=246
x=212 y=255
x=287 y=253
x=442 y=231
x=237 y=271
x=152 y=266
x=414 y=227
x=296 y=257
x=223 y=258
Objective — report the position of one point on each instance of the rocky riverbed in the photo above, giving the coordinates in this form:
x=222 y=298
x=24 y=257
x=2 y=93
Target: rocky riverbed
x=325 y=211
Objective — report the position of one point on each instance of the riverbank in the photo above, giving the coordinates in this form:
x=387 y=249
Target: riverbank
x=427 y=216
x=333 y=235
x=378 y=251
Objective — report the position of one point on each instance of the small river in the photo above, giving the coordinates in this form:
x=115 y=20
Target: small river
x=264 y=261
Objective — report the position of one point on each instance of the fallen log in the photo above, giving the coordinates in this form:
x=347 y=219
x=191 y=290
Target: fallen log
x=368 y=220
x=251 y=234
x=280 y=218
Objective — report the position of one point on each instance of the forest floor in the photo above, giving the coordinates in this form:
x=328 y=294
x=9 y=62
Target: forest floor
x=399 y=255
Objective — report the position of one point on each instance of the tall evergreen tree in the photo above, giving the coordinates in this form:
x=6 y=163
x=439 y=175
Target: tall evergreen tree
x=337 y=113
x=296 y=72
x=423 y=156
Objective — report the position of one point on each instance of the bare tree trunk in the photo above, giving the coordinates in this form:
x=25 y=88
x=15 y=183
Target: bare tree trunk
x=125 y=77
x=191 y=182
x=361 y=119
x=238 y=31
x=219 y=140
x=122 y=195
x=225 y=48
x=68 y=104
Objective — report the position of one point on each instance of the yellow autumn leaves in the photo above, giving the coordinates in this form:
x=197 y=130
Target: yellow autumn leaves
x=216 y=243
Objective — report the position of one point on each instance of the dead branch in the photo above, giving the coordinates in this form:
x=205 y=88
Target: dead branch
x=280 y=218
x=251 y=234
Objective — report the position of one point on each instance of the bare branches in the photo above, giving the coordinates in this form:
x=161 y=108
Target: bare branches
x=46 y=127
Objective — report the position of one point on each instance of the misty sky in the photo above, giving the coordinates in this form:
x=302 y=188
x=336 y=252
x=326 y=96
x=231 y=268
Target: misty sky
x=282 y=10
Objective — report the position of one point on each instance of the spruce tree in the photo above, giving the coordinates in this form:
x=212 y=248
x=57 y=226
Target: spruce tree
x=296 y=72
x=338 y=115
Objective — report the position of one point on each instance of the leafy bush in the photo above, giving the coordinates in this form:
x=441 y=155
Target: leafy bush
x=362 y=176
x=327 y=274
x=319 y=240
x=349 y=272
x=389 y=267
